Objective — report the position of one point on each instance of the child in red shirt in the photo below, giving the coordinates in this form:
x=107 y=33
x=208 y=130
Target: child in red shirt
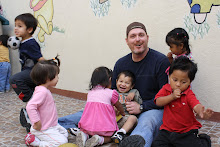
x=180 y=127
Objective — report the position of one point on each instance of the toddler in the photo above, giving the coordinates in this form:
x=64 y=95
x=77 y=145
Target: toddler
x=178 y=41
x=29 y=54
x=180 y=127
x=124 y=83
x=98 y=119
x=5 y=66
x=41 y=109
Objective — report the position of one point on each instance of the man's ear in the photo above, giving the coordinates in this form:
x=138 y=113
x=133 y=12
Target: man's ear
x=0 y=42
x=126 y=39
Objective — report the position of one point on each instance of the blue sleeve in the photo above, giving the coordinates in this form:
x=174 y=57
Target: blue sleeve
x=162 y=79
x=114 y=76
x=149 y=104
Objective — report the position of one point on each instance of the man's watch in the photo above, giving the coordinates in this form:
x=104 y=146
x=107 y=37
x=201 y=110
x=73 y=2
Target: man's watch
x=141 y=107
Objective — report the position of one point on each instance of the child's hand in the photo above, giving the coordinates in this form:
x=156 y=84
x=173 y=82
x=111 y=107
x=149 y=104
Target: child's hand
x=207 y=113
x=130 y=97
x=170 y=57
x=37 y=126
x=176 y=94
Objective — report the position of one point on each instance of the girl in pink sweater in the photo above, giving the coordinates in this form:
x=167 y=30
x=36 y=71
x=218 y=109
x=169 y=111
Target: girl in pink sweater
x=41 y=108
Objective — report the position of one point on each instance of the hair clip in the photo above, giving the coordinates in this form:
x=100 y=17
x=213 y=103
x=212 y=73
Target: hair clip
x=184 y=36
x=177 y=33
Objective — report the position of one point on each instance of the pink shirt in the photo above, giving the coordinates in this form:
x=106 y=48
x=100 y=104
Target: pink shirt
x=99 y=115
x=42 y=107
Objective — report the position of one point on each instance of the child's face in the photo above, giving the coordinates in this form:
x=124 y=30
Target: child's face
x=53 y=82
x=124 y=84
x=21 y=30
x=177 y=50
x=179 y=80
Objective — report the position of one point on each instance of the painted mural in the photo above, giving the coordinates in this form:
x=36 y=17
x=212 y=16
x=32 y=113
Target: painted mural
x=101 y=7
x=43 y=12
x=200 y=9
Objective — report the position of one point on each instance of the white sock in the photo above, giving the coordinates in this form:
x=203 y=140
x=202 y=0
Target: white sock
x=101 y=140
x=122 y=130
x=85 y=136
x=36 y=142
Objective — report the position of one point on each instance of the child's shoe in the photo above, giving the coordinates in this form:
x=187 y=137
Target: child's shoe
x=95 y=140
x=205 y=139
x=31 y=140
x=73 y=131
x=24 y=120
x=118 y=137
x=81 y=138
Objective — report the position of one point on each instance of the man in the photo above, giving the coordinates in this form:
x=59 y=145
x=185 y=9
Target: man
x=149 y=68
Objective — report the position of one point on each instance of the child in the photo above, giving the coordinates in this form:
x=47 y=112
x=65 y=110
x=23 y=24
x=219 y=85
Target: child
x=42 y=109
x=5 y=66
x=124 y=83
x=180 y=127
x=98 y=118
x=30 y=54
x=178 y=40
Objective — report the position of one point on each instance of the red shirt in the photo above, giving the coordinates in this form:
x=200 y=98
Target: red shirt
x=178 y=115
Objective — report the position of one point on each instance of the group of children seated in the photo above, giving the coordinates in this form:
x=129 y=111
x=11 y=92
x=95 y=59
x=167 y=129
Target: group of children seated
x=98 y=123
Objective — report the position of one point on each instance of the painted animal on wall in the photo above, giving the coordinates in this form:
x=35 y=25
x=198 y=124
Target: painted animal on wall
x=200 y=8
x=43 y=12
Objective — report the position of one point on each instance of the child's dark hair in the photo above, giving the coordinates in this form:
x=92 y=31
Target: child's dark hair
x=128 y=73
x=29 y=20
x=4 y=40
x=44 y=70
x=178 y=36
x=184 y=64
x=100 y=76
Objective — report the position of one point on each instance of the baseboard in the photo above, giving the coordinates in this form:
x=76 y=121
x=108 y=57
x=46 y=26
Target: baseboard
x=67 y=93
x=82 y=96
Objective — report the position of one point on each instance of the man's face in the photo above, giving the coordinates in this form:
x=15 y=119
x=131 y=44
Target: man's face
x=137 y=41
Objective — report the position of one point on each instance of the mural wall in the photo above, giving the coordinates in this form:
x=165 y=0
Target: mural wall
x=91 y=33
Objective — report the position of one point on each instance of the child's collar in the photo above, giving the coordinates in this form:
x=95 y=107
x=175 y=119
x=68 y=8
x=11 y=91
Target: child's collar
x=27 y=39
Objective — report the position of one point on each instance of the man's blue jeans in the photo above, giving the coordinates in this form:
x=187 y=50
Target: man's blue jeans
x=70 y=121
x=148 y=125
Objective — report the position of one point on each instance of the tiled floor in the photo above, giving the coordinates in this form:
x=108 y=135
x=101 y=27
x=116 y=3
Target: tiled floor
x=12 y=133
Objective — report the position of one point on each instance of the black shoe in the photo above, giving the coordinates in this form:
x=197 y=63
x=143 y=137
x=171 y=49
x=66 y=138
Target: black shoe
x=205 y=139
x=132 y=141
x=24 y=120
x=117 y=137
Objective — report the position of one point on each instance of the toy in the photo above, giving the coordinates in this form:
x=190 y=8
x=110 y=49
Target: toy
x=13 y=42
x=68 y=145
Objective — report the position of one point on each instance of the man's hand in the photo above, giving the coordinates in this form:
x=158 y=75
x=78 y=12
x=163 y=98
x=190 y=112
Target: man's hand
x=133 y=107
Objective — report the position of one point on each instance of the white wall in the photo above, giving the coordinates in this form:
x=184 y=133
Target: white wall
x=89 y=40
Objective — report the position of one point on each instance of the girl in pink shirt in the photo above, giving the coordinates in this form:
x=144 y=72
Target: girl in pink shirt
x=99 y=119
x=41 y=108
